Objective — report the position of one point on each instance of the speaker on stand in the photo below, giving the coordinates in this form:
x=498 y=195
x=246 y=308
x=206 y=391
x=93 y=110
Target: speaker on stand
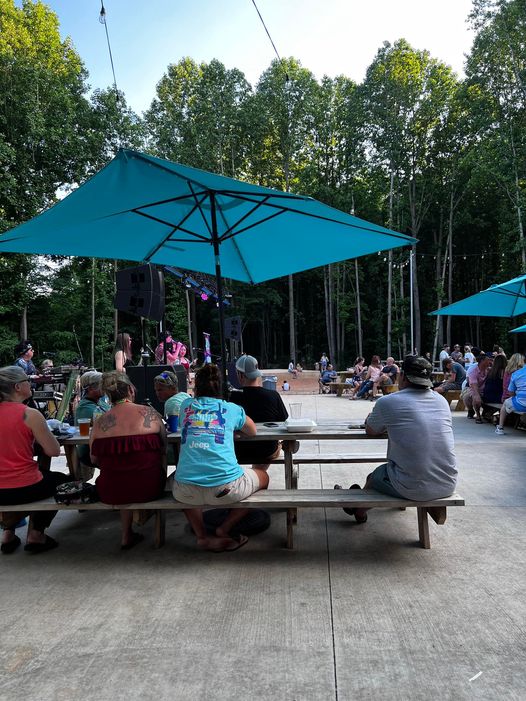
x=140 y=291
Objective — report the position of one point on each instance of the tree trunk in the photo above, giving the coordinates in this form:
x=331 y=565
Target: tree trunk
x=358 y=309
x=23 y=324
x=450 y=263
x=518 y=203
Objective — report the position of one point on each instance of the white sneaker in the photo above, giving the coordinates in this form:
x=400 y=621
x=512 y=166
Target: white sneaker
x=499 y=431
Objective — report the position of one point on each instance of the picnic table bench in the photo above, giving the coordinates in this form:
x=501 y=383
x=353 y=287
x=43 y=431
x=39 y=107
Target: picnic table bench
x=282 y=499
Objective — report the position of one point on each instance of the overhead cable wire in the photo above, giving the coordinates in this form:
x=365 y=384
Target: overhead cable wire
x=102 y=20
x=268 y=34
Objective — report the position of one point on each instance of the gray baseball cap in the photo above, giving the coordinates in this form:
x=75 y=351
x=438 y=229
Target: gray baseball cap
x=248 y=365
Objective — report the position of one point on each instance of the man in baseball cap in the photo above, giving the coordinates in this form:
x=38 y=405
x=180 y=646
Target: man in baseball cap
x=247 y=366
x=260 y=404
x=421 y=461
x=92 y=403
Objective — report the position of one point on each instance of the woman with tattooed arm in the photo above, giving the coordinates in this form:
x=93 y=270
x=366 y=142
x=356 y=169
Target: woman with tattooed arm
x=128 y=446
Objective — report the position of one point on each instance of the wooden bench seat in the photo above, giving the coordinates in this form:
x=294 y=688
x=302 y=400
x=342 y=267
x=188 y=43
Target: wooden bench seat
x=288 y=499
x=339 y=387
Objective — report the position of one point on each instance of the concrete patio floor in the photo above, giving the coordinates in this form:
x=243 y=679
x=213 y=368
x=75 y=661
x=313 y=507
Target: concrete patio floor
x=355 y=611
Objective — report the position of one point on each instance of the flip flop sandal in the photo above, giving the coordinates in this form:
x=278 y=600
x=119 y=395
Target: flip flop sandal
x=36 y=548
x=135 y=539
x=239 y=541
x=11 y=546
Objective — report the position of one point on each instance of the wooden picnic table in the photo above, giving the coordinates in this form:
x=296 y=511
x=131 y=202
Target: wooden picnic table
x=345 y=375
x=326 y=430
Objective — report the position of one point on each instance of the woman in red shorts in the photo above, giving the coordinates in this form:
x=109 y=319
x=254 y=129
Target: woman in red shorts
x=128 y=446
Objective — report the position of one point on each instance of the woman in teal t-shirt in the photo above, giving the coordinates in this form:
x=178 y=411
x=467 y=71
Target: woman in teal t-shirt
x=208 y=473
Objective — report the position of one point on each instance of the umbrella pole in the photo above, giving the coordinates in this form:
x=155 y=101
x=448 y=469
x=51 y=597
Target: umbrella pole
x=219 y=282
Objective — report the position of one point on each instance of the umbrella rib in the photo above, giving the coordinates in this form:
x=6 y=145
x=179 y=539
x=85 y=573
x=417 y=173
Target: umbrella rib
x=225 y=237
x=198 y=205
x=228 y=232
x=388 y=232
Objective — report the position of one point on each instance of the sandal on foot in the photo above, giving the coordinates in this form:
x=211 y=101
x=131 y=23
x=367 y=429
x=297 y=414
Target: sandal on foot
x=36 y=548
x=135 y=539
x=238 y=542
x=10 y=547
x=349 y=512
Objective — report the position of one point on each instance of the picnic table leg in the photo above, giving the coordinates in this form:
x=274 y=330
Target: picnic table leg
x=290 y=528
x=291 y=482
x=423 y=527
x=72 y=460
x=160 y=528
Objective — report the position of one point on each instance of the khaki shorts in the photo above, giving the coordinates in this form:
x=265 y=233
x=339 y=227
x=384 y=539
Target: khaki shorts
x=220 y=495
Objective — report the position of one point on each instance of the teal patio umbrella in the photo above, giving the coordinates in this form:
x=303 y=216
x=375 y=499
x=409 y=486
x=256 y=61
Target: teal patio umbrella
x=519 y=329
x=142 y=208
x=506 y=299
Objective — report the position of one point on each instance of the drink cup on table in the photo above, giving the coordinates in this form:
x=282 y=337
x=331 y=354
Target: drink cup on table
x=84 y=425
x=173 y=423
x=295 y=411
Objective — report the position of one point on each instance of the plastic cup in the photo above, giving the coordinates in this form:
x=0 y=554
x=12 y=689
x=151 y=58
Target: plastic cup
x=295 y=411
x=84 y=425
x=173 y=423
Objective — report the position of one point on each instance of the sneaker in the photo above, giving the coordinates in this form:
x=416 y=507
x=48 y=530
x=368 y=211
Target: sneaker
x=499 y=431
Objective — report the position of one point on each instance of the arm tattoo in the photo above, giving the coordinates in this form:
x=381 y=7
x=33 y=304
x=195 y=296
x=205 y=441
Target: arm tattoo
x=149 y=414
x=107 y=421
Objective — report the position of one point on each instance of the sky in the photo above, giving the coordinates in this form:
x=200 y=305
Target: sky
x=329 y=37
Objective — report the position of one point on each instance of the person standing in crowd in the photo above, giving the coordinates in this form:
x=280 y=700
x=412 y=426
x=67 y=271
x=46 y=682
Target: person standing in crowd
x=456 y=354
x=421 y=461
x=469 y=358
x=324 y=362
x=21 y=481
x=208 y=473
x=444 y=354
x=261 y=405
x=123 y=352
x=127 y=444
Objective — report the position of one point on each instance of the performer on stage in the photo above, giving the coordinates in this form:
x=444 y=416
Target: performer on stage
x=123 y=352
x=24 y=352
x=171 y=354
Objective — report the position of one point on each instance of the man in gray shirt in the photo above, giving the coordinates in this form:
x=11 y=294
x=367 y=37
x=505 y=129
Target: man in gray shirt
x=421 y=462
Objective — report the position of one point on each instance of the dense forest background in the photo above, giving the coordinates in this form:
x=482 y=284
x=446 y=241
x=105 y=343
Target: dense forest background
x=412 y=147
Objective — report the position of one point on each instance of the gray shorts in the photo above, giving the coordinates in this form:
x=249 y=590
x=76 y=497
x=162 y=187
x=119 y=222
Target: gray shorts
x=229 y=493
x=510 y=409
x=379 y=481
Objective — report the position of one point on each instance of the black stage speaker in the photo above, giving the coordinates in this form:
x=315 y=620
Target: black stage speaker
x=143 y=376
x=233 y=328
x=232 y=374
x=140 y=291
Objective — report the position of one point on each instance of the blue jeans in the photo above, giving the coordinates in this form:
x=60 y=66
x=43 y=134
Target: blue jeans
x=366 y=386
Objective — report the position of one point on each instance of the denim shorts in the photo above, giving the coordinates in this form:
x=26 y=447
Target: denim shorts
x=379 y=481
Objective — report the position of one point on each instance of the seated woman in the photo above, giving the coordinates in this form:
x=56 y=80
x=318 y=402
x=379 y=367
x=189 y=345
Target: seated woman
x=516 y=362
x=373 y=374
x=493 y=386
x=292 y=370
x=128 y=445
x=21 y=481
x=208 y=472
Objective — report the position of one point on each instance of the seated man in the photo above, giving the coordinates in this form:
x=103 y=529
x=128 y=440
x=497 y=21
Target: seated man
x=327 y=376
x=421 y=460
x=92 y=403
x=388 y=376
x=260 y=405
x=454 y=376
